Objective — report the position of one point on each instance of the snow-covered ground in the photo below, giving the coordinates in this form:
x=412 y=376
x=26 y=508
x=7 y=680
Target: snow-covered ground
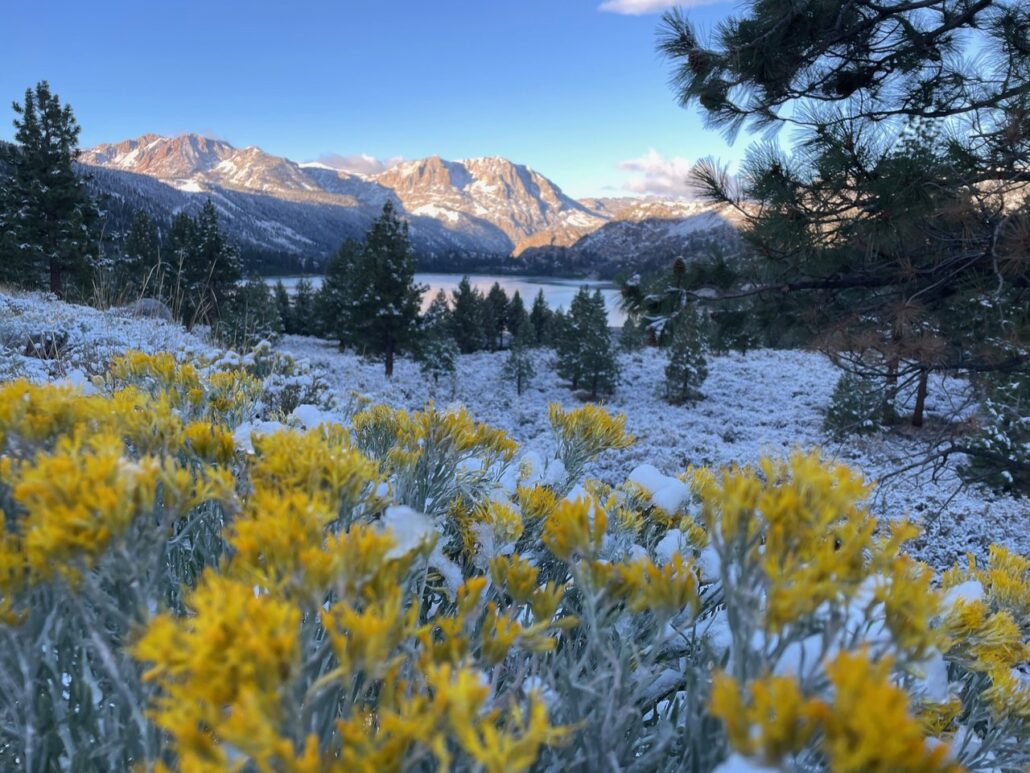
x=764 y=402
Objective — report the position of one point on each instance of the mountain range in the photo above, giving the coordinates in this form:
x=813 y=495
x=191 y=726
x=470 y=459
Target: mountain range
x=462 y=214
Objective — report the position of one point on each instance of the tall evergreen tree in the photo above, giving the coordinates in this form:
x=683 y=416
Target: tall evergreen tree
x=495 y=316
x=519 y=365
x=585 y=353
x=283 y=306
x=377 y=301
x=687 y=367
x=437 y=349
x=217 y=260
x=302 y=311
x=894 y=232
x=204 y=266
x=334 y=299
x=45 y=210
x=467 y=317
x=143 y=274
x=540 y=318
x=516 y=317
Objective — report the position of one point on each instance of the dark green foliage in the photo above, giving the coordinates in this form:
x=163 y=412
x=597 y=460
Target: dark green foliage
x=894 y=232
x=858 y=406
x=687 y=368
x=283 y=306
x=203 y=267
x=369 y=295
x=249 y=315
x=495 y=316
x=540 y=318
x=48 y=221
x=1000 y=454
x=467 y=324
x=585 y=353
x=519 y=365
x=516 y=316
x=333 y=301
x=137 y=271
x=303 y=311
x=632 y=336
x=437 y=350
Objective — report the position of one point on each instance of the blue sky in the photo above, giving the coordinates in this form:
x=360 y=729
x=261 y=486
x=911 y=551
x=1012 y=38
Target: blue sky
x=570 y=88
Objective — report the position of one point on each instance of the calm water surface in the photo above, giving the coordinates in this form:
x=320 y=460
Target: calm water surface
x=558 y=291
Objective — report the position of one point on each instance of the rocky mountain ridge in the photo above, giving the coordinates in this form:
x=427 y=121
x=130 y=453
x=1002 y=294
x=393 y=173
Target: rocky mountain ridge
x=459 y=211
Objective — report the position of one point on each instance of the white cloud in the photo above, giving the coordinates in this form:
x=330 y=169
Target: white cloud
x=655 y=175
x=640 y=7
x=359 y=163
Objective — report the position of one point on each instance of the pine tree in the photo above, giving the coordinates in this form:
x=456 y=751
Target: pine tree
x=204 y=265
x=467 y=317
x=437 y=316
x=376 y=303
x=687 y=368
x=893 y=233
x=437 y=349
x=519 y=365
x=333 y=302
x=516 y=317
x=249 y=315
x=632 y=336
x=217 y=259
x=302 y=312
x=282 y=305
x=585 y=354
x=143 y=274
x=495 y=316
x=540 y=318
x=181 y=240
x=45 y=211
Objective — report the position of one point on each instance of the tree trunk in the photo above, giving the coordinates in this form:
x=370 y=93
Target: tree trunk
x=55 y=278
x=389 y=359
x=917 y=412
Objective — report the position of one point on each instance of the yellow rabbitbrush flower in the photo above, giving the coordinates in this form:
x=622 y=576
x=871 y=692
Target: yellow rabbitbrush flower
x=802 y=522
x=665 y=590
x=75 y=501
x=321 y=463
x=223 y=673
x=773 y=721
x=868 y=725
x=575 y=528
x=865 y=725
x=590 y=427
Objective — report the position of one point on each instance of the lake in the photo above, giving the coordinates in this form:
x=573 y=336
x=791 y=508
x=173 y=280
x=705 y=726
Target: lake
x=557 y=291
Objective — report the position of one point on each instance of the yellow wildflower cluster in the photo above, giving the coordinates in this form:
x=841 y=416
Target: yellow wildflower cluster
x=395 y=594
x=802 y=522
x=865 y=726
x=990 y=629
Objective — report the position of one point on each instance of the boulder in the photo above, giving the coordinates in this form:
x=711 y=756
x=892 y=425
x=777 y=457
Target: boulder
x=146 y=308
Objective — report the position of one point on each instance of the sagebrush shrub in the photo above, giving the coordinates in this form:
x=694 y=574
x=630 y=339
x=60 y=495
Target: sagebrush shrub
x=405 y=591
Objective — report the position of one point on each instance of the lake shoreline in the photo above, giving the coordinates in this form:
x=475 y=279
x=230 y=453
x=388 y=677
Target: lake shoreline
x=558 y=291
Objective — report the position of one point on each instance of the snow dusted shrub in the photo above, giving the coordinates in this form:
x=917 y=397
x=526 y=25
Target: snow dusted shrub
x=1000 y=455
x=438 y=359
x=409 y=592
x=286 y=383
x=633 y=336
x=857 y=407
x=250 y=315
x=519 y=365
x=687 y=368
